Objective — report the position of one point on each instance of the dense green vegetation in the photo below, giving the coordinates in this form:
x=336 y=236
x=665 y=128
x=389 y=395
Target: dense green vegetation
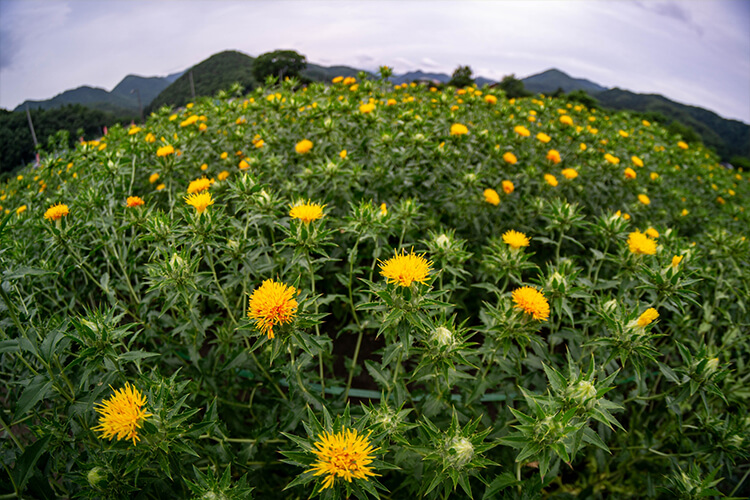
x=436 y=293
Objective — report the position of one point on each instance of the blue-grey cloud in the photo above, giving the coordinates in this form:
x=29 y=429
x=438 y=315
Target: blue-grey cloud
x=671 y=10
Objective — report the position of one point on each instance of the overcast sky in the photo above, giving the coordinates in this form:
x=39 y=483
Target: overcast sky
x=692 y=51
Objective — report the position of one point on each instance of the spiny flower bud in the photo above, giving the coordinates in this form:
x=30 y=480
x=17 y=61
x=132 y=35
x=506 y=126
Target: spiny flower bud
x=463 y=451
x=442 y=241
x=96 y=476
x=583 y=391
x=442 y=336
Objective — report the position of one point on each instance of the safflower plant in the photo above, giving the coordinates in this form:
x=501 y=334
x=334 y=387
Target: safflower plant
x=368 y=290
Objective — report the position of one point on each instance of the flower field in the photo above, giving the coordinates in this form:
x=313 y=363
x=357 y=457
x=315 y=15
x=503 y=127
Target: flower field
x=361 y=290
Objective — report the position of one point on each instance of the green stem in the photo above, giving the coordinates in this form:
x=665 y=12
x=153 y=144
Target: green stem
x=218 y=283
x=265 y=373
x=10 y=433
x=356 y=320
x=740 y=483
x=317 y=326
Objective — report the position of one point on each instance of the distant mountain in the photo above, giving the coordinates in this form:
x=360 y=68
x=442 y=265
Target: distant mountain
x=327 y=73
x=120 y=101
x=728 y=137
x=552 y=79
x=216 y=73
x=435 y=77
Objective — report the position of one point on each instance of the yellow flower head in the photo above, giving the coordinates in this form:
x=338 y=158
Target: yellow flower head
x=630 y=173
x=641 y=244
x=566 y=120
x=345 y=454
x=676 y=260
x=150 y=137
x=490 y=99
x=383 y=209
x=134 y=130
x=654 y=176
x=543 y=137
x=554 y=156
x=338 y=79
x=153 y=178
x=612 y=159
x=532 y=302
x=651 y=232
x=303 y=146
x=189 y=121
x=342 y=154
x=459 y=129
x=272 y=304
x=160 y=187
x=243 y=165
x=367 y=108
x=224 y=155
x=134 y=201
x=491 y=197
x=21 y=209
x=307 y=212
x=223 y=175
x=636 y=161
x=682 y=145
x=56 y=212
x=551 y=179
x=200 y=201
x=508 y=187
x=569 y=173
x=684 y=212
x=510 y=158
x=403 y=269
x=165 y=150
x=515 y=239
x=199 y=185
x=122 y=415
x=648 y=316
x=644 y=199
x=521 y=130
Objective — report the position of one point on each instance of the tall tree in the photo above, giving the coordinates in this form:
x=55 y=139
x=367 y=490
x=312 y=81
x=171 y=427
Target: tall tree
x=279 y=64
x=462 y=77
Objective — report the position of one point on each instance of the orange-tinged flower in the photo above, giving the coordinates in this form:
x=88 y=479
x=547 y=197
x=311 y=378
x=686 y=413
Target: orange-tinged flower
x=272 y=304
x=630 y=173
x=515 y=239
x=345 y=454
x=404 y=269
x=459 y=129
x=342 y=154
x=720 y=200
x=543 y=137
x=550 y=179
x=307 y=212
x=303 y=146
x=490 y=99
x=160 y=187
x=611 y=159
x=566 y=120
x=223 y=175
x=134 y=201
x=648 y=316
x=56 y=212
x=243 y=165
x=641 y=244
x=338 y=79
x=122 y=414
x=367 y=108
x=684 y=212
x=636 y=161
x=554 y=156
x=199 y=185
x=200 y=201
x=521 y=130
x=569 y=173
x=491 y=197
x=510 y=158
x=532 y=302
x=508 y=187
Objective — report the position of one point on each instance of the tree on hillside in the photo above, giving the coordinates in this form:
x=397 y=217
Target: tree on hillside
x=462 y=77
x=279 y=64
x=513 y=87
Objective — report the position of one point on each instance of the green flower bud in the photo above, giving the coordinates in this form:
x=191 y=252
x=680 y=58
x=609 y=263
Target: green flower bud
x=460 y=451
x=96 y=476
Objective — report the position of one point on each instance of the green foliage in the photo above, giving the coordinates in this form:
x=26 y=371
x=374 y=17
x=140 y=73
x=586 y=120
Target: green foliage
x=462 y=77
x=618 y=374
x=513 y=87
x=279 y=64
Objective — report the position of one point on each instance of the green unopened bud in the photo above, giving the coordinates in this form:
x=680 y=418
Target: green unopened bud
x=96 y=476
x=442 y=241
x=460 y=451
x=712 y=365
x=583 y=391
x=442 y=336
